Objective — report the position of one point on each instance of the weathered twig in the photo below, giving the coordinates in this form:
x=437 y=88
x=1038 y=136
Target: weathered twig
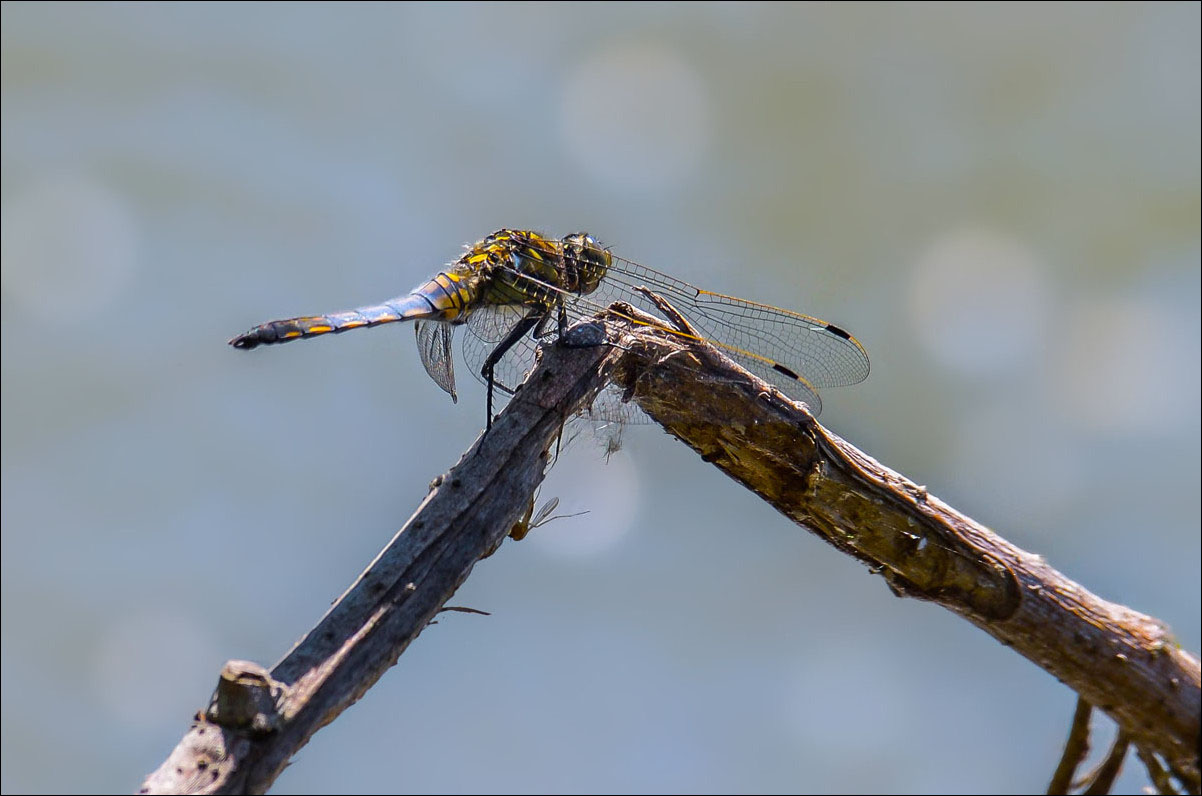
x=258 y=719
x=1075 y=750
x=1156 y=772
x=1099 y=781
x=1121 y=661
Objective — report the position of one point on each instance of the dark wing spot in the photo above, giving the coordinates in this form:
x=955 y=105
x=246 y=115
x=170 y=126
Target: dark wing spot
x=782 y=369
x=831 y=327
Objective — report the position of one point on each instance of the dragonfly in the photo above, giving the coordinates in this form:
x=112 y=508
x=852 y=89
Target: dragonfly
x=518 y=288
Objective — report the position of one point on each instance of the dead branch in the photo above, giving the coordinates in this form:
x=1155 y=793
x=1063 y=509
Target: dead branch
x=258 y=719
x=1118 y=660
x=1123 y=662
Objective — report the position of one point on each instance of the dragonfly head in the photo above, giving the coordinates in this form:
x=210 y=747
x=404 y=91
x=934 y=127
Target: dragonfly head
x=586 y=262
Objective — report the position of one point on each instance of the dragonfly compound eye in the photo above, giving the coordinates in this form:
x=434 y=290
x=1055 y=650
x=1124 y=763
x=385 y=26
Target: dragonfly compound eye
x=586 y=261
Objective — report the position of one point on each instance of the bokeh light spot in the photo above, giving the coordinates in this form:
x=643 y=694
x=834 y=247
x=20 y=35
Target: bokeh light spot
x=1122 y=366
x=583 y=480
x=636 y=117
x=69 y=248
x=978 y=302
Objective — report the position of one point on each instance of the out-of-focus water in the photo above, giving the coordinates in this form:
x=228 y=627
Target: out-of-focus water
x=1001 y=202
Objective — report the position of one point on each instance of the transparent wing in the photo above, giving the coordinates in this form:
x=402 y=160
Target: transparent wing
x=609 y=407
x=822 y=353
x=797 y=353
x=486 y=327
x=434 y=348
x=791 y=379
x=491 y=323
x=543 y=513
x=794 y=352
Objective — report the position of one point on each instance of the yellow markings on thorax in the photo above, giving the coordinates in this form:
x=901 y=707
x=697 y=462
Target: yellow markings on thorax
x=513 y=252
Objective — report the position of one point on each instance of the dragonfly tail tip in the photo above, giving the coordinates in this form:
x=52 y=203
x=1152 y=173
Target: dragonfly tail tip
x=243 y=342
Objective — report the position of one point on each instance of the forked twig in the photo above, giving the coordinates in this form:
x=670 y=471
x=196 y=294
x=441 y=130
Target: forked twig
x=1101 y=779
x=1076 y=748
x=1161 y=779
x=1121 y=661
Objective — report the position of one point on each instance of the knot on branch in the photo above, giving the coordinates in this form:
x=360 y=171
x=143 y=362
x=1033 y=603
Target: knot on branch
x=247 y=698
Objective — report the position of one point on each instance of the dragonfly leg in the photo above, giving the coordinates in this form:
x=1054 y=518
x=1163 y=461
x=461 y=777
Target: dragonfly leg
x=541 y=329
x=678 y=321
x=535 y=317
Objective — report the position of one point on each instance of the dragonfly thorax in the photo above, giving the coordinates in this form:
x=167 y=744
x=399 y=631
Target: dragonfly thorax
x=521 y=267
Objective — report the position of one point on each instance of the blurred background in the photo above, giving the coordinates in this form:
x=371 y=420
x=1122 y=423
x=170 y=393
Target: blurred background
x=1001 y=202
